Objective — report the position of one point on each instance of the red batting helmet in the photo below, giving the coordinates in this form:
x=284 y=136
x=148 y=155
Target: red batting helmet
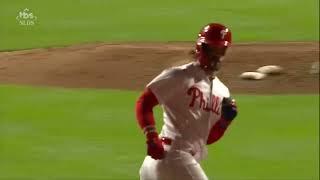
x=214 y=35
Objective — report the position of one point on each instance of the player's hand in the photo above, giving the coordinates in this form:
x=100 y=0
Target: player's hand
x=155 y=147
x=229 y=109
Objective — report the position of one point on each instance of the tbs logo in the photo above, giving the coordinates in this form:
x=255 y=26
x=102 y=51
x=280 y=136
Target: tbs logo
x=26 y=18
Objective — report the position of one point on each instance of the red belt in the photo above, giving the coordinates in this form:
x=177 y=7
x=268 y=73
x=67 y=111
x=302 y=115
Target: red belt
x=166 y=140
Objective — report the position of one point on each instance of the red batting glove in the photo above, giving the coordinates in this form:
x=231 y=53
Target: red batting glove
x=155 y=147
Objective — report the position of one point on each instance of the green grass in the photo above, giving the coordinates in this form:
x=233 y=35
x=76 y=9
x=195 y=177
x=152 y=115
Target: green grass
x=90 y=134
x=66 y=22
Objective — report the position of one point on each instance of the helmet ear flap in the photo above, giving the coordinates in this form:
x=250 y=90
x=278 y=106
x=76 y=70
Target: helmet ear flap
x=205 y=47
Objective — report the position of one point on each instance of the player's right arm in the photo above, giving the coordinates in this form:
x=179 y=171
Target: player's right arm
x=146 y=102
x=159 y=91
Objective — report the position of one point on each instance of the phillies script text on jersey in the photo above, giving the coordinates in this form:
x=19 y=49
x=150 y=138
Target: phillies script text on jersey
x=197 y=94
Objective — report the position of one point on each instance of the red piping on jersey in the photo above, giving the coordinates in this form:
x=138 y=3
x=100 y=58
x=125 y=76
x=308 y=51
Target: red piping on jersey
x=144 y=107
x=218 y=130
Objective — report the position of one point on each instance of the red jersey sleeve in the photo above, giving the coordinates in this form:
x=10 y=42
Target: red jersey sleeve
x=217 y=130
x=144 y=106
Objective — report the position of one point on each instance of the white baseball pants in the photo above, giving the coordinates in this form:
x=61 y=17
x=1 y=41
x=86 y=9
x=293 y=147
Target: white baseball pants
x=175 y=166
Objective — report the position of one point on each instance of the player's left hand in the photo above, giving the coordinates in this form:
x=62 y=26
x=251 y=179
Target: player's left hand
x=229 y=108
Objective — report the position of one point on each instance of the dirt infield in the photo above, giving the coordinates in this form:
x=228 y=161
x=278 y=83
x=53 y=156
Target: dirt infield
x=132 y=65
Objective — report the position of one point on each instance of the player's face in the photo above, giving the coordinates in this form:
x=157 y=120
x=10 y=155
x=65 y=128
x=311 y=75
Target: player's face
x=215 y=56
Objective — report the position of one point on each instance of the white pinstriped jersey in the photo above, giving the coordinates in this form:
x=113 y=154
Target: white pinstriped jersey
x=191 y=104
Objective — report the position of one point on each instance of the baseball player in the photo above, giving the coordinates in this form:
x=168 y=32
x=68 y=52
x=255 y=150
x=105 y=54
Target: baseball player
x=197 y=110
